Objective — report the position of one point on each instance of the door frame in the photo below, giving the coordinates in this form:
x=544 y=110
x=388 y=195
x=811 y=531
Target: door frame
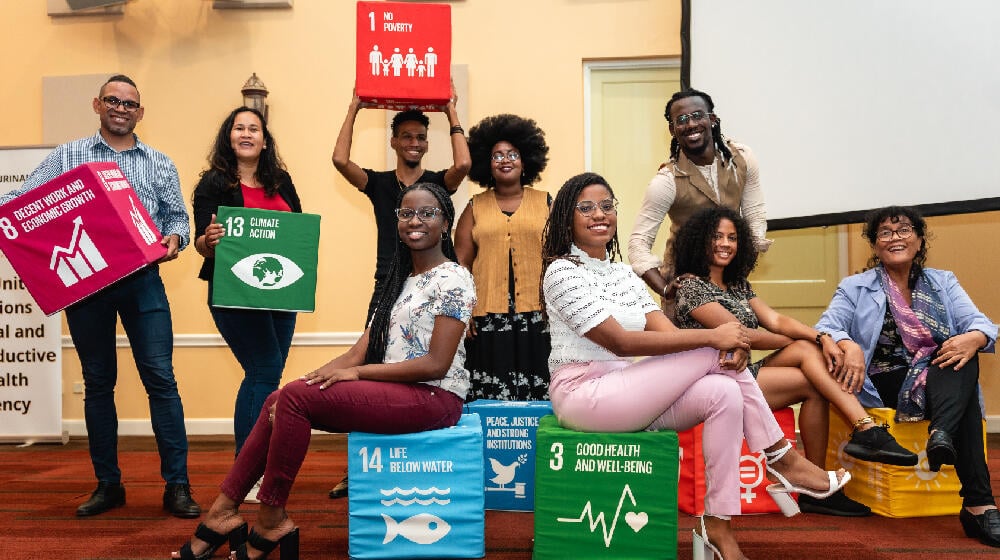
x=589 y=66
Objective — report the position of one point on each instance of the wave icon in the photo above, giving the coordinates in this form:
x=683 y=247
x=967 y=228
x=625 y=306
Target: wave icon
x=415 y=490
x=428 y=502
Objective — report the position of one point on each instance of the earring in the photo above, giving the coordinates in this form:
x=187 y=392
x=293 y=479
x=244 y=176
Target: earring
x=444 y=235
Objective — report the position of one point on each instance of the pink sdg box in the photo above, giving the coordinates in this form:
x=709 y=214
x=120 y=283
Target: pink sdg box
x=76 y=234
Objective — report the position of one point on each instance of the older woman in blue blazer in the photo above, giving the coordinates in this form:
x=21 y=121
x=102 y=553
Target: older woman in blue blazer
x=911 y=336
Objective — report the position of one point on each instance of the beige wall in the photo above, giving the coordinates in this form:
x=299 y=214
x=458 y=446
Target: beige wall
x=523 y=56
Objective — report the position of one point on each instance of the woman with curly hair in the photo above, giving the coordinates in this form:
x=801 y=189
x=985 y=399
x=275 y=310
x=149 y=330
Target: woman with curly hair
x=715 y=253
x=498 y=237
x=913 y=337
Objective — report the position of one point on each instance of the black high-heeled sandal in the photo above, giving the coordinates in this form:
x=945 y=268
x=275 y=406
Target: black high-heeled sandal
x=236 y=538
x=287 y=545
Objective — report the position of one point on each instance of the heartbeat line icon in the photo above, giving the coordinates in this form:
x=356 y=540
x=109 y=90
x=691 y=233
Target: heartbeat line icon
x=634 y=520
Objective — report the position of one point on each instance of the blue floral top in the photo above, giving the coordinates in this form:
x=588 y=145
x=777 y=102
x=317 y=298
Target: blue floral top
x=446 y=289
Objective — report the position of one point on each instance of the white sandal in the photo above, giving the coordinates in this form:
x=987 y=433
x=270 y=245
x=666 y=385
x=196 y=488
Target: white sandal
x=781 y=491
x=703 y=549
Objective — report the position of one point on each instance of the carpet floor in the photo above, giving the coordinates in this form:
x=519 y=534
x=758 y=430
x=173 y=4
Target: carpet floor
x=41 y=486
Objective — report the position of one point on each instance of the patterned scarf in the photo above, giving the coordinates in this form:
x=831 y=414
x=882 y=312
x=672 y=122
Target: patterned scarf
x=922 y=329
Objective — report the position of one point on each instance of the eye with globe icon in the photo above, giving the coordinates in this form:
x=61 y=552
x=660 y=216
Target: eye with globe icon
x=267 y=271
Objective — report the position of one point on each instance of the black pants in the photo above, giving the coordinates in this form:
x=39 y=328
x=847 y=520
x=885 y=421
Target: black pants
x=953 y=406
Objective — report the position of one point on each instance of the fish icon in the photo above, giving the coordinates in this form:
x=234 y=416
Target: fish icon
x=423 y=528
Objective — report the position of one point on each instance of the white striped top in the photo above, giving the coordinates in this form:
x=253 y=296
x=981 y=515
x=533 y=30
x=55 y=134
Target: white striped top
x=580 y=297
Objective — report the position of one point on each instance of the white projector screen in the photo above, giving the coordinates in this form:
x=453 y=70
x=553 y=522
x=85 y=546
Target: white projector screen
x=855 y=104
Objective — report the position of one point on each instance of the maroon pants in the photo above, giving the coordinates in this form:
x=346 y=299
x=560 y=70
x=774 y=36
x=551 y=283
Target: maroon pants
x=276 y=449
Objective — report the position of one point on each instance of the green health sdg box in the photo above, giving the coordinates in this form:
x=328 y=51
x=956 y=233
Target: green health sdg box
x=605 y=495
x=266 y=260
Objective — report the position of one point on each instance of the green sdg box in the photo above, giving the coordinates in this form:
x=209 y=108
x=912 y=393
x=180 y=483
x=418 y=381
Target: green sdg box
x=605 y=495
x=266 y=260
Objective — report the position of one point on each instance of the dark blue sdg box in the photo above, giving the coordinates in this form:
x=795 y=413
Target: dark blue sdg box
x=509 y=451
x=417 y=495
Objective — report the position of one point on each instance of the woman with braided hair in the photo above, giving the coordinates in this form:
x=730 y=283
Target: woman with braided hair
x=405 y=374
x=705 y=170
x=602 y=317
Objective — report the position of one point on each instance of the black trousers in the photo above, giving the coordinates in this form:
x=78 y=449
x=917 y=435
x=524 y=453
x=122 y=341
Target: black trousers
x=953 y=406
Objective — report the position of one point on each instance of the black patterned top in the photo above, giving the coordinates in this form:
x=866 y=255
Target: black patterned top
x=695 y=292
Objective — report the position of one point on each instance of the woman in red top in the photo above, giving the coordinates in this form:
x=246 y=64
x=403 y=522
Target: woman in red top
x=245 y=170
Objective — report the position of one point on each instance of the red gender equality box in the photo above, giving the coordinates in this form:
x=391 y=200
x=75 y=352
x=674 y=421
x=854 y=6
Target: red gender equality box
x=404 y=55
x=753 y=481
x=77 y=234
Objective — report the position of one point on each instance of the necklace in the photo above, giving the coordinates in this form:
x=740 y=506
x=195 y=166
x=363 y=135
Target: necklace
x=398 y=182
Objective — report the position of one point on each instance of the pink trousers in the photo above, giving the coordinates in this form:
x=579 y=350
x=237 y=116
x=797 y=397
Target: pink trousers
x=676 y=392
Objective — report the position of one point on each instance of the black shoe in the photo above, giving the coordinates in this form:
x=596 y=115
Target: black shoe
x=340 y=490
x=940 y=450
x=877 y=444
x=985 y=526
x=177 y=500
x=837 y=504
x=108 y=495
x=287 y=545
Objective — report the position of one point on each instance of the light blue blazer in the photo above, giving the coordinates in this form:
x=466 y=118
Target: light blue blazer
x=857 y=311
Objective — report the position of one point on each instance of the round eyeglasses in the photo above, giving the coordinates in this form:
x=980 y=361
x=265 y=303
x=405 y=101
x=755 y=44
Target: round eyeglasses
x=509 y=156
x=904 y=232
x=424 y=213
x=607 y=206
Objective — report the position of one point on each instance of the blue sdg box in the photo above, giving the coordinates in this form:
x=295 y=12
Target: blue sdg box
x=509 y=451
x=417 y=495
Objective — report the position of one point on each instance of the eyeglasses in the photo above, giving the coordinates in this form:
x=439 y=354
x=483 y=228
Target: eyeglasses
x=113 y=102
x=696 y=116
x=607 y=206
x=424 y=213
x=510 y=156
x=904 y=232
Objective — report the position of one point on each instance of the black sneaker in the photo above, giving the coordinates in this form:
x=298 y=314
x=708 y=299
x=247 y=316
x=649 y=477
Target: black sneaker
x=877 y=444
x=836 y=504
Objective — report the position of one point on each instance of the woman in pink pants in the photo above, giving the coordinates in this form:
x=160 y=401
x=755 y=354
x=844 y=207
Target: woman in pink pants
x=600 y=315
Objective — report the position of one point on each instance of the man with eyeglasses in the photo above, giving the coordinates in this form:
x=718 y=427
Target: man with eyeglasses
x=705 y=169
x=140 y=300
x=409 y=141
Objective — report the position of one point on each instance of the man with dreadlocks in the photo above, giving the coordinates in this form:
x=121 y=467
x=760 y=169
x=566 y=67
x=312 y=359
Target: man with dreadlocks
x=705 y=170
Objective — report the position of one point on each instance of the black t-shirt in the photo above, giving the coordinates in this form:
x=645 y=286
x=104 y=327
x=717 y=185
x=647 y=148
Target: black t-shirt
x=383 y=190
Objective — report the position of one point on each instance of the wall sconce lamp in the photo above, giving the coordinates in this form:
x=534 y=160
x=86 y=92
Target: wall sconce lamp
x=255 y=94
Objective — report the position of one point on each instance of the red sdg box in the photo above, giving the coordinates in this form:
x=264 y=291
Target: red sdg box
x=404 y=55
x=753 y=483
x=76 y=234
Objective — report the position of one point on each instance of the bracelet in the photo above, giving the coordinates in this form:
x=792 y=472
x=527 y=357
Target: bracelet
x=457 y=129
x=819 y=338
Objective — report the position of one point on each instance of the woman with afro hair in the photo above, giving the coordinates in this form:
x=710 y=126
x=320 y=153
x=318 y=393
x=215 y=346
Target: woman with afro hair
x=499 y=238
x=714 y=253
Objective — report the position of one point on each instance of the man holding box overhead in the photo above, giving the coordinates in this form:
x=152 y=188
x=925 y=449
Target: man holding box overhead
x=139 y=299
x=409 y=141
